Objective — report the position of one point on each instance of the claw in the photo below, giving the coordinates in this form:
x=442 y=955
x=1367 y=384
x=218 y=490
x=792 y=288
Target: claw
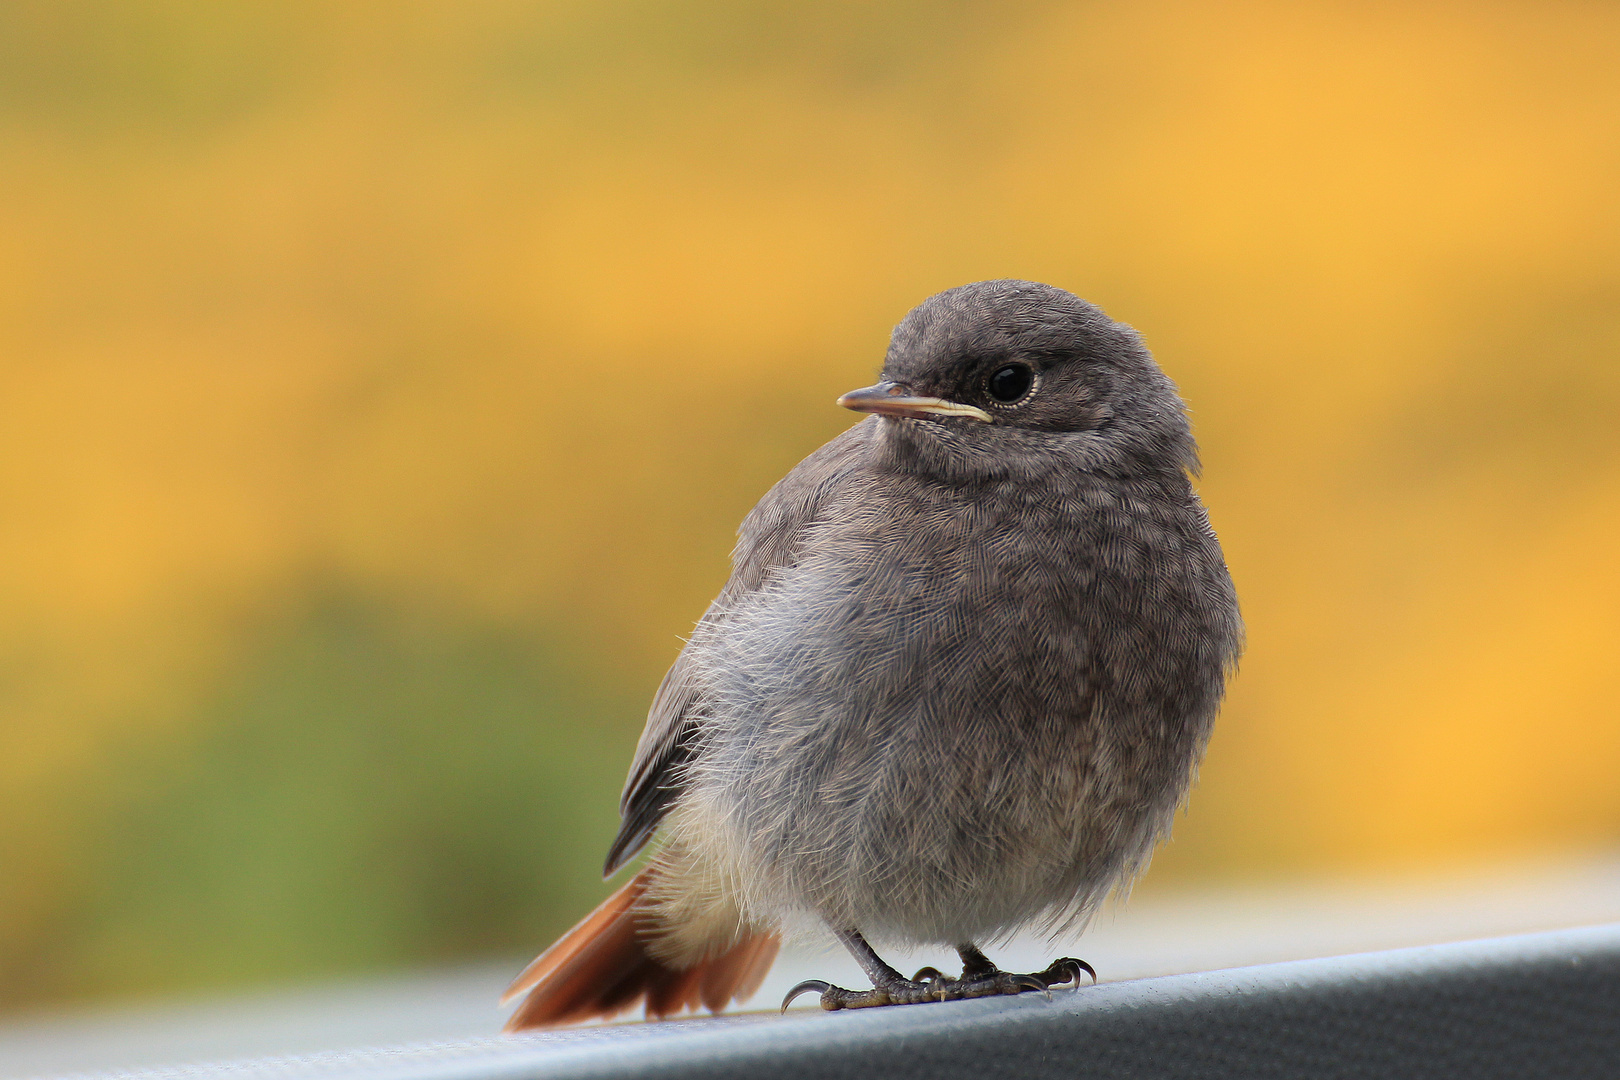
x=1074 y=967
x=818 y=986
x=928 y=974
x=1029 y=982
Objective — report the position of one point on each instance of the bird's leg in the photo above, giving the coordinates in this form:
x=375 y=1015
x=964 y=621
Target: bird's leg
x=889 y=987
x=981 y=977
x=974 y=962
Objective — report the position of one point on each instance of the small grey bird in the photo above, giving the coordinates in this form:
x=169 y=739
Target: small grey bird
x=958 y=684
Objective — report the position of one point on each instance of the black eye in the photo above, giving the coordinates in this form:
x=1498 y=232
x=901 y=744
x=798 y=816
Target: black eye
x=1010 y=383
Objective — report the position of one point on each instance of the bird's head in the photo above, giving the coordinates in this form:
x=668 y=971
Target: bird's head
x=1002 y=370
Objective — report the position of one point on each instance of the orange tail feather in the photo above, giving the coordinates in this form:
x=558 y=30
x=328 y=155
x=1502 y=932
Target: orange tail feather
x=602 y=967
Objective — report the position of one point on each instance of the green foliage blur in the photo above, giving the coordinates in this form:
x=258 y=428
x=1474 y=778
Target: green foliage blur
x=374 y=791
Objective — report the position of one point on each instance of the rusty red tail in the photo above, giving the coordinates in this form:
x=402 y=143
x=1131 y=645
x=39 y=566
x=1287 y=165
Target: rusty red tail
x=602 y=967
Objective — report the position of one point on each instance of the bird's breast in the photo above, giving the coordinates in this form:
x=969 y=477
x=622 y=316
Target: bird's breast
x=942 y=684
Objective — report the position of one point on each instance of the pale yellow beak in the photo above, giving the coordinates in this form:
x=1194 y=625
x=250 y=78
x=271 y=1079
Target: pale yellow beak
x=893 y=399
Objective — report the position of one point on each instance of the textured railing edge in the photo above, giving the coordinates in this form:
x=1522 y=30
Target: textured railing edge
x=1545 y=1004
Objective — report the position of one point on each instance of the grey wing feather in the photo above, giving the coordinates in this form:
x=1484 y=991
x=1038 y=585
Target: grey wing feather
x=771 y=537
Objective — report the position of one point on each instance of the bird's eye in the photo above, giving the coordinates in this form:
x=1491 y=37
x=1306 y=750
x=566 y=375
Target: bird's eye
x=1010 y=383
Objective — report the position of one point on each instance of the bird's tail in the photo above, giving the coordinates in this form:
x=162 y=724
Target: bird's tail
x=602 y=967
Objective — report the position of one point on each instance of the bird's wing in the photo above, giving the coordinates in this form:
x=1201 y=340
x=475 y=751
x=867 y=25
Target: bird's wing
x=770 y=538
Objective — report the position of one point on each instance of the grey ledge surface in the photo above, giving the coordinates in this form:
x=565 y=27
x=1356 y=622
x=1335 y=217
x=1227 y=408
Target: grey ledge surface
x=1534 y=1005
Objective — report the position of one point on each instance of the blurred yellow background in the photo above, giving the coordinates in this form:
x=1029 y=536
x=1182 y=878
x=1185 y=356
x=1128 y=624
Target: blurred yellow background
x=381 y=384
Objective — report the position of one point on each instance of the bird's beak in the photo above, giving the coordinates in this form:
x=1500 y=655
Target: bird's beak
x=893 y=399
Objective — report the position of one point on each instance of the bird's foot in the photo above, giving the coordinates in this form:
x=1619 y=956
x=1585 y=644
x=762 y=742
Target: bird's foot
x=930 y=984
x=987 y=980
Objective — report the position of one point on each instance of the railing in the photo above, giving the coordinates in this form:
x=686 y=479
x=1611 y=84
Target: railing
x=1535 y=1005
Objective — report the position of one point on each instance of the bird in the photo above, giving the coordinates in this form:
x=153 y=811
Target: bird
x=957 y=686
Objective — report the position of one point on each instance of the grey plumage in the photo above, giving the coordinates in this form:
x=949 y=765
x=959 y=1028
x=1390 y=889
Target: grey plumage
x=963 y=672
x=966 y=663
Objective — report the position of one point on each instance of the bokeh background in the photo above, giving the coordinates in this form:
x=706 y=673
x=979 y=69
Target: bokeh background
x=381 y=384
